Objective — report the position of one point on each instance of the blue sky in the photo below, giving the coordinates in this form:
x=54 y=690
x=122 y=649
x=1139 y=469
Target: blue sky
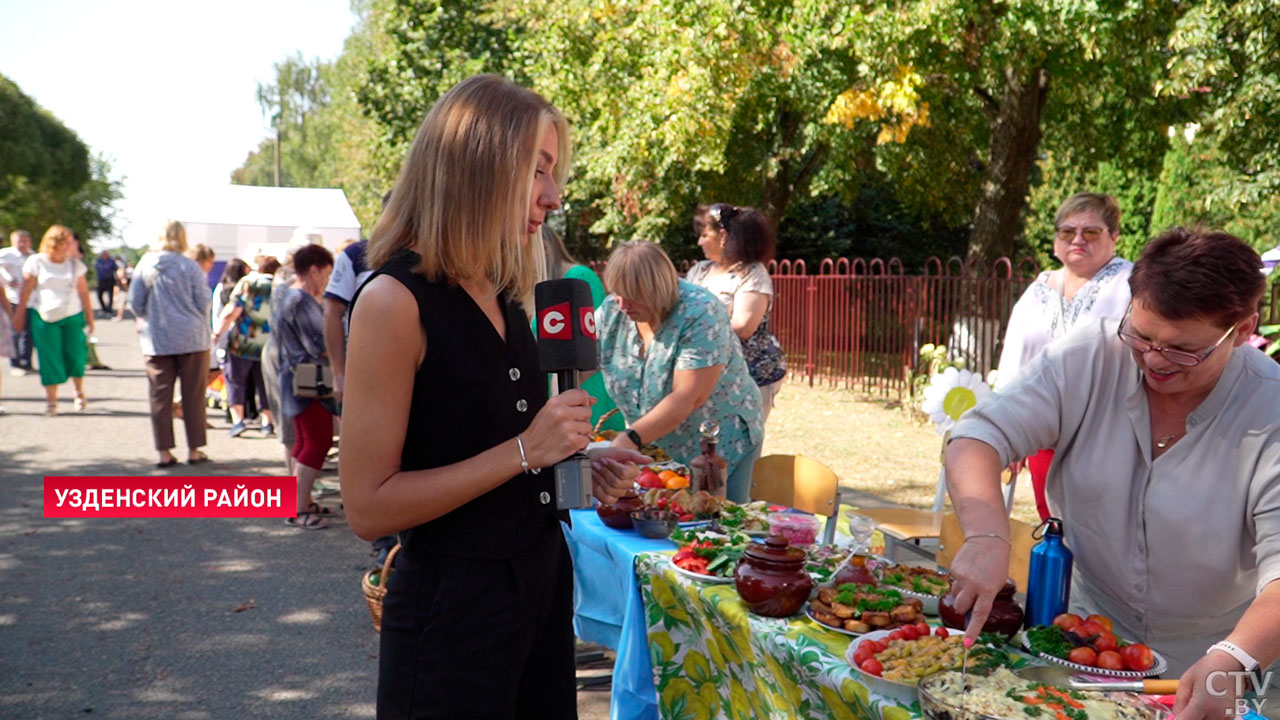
x=163 y=88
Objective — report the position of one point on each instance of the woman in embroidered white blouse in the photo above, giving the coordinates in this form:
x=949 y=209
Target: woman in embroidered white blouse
x=1091 y=284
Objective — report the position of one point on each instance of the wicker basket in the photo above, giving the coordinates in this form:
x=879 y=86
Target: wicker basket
x=373 y=594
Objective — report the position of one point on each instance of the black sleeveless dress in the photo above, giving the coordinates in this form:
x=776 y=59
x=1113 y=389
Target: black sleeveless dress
x=477 y=620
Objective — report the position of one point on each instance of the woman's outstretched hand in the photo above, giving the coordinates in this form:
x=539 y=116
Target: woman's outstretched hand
x=614 y=471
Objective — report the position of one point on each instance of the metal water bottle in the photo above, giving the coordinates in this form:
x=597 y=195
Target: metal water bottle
x=1049 y=577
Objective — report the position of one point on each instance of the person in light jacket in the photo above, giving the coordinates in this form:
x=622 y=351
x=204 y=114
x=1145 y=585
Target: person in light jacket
x=171 y=302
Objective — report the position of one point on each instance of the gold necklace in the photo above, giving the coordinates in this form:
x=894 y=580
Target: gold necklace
x=1165 y=441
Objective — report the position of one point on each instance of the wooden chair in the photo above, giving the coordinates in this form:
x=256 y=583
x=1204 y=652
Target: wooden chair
x=799 y=482
x=908 y=526
x=952 y=537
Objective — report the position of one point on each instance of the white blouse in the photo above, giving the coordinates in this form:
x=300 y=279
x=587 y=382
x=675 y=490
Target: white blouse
x=1043 y=315
x=55 y=296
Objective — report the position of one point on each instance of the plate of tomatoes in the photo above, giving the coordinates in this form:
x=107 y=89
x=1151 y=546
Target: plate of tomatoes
x=1089 y=645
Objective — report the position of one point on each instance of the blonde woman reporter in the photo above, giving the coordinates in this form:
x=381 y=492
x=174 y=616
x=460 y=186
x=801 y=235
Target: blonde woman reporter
x=53 y=301
x=171 y=303
x=446 y=420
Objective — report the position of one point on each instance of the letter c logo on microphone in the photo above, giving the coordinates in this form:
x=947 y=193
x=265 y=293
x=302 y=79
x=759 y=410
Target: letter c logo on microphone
x=588 y=322
x=553 y=323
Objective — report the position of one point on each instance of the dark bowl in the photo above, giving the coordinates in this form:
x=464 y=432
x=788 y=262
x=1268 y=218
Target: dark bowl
x=618 y=515
x=654 y=523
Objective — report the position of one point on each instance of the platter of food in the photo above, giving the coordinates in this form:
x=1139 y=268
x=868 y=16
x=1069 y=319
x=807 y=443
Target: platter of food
x=926 y=585
x=1002 y=695
x=751 y=518
x=706 y=556
x=1089 y=646
x=857 y=609
x=892 y=662
x=691 y=509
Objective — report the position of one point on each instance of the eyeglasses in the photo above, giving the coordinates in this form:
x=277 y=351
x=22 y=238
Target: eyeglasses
x=1066 y=233
x=720 y=212
x=1178 y=357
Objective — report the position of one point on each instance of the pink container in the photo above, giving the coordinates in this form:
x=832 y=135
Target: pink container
x=796 y=528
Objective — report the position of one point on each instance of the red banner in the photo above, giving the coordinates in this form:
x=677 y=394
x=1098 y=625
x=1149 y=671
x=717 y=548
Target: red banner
x=148 y=496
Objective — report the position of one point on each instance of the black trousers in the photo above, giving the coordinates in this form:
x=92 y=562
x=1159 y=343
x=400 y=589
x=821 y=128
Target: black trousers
x=109 y=291
x=468 y=639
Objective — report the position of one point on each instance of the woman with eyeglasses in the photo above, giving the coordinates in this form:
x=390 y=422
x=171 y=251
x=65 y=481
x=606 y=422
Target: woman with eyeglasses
x=1091 y=284
x=738 y=241
x=1167 y=475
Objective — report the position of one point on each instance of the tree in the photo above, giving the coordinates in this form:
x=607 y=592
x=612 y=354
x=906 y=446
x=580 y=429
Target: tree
x=1025 y=76
x=298 y=92
x=427 y=47
x=675 y=103
x=1224 y=56
x=47 y=174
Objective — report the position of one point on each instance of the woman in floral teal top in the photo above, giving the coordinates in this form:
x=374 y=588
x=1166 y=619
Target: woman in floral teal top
x=671 y=361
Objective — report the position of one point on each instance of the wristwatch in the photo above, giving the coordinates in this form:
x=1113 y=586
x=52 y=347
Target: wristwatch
x=634 y=437
x=1250 y=664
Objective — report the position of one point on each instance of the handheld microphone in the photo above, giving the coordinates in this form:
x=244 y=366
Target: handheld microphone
x=566 y=345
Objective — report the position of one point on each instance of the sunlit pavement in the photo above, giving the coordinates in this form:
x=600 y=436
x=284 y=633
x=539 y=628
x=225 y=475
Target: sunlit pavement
x=173 y=618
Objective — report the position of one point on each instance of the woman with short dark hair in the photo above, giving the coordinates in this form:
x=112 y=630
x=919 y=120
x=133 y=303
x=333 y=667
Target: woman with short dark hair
x=1167 y=473
x=738 y=241
x=300 y=336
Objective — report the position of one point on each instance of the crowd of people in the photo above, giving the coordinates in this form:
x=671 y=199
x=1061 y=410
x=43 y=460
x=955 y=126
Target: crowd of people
x=1128 y=389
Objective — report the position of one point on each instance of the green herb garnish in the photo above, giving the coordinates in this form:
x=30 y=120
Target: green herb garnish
x=1050 y=639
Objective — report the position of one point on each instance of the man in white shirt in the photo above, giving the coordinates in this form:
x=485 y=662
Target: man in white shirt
x=12 y=259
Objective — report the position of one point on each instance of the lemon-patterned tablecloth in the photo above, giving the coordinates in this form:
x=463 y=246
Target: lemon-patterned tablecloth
x=714 y=659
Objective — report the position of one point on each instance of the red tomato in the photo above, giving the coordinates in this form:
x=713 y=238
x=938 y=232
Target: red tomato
x=896 y=635
x=872 y=667
x=1066 y=621
x=1137 y=657
x=909 y=632
x=1102 y=620
x=923 y=628
x=942 y=632
x=1110 y=660
x=650 y=479
x=871 y=645
x=1106 y=641
x=687 y=517
x=1087 y=629
x=1083 y=656
x=862 y=654
x=881 y=645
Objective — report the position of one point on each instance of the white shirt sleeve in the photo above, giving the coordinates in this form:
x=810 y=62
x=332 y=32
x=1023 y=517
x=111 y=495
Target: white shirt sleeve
x=342 y=281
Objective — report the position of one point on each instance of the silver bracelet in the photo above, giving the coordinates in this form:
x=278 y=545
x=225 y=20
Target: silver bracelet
x=997 y=536
x=524 y=461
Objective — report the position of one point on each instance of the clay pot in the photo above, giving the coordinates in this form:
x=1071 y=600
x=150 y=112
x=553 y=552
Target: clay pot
x=771 y=578
x=1005 y=617
x=855 y=572
x=618 y=514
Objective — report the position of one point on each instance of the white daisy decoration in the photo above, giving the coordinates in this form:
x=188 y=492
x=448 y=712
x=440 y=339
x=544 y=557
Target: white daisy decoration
x=950 y=394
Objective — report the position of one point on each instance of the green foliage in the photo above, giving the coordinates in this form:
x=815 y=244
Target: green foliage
x=326 y=138
x=1224 y=55
x=47 y=174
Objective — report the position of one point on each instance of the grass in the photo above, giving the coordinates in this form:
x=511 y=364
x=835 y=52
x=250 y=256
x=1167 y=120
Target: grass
x=872 y=444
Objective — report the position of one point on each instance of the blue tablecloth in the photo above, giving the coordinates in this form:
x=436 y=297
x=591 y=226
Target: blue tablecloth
x=608 y=611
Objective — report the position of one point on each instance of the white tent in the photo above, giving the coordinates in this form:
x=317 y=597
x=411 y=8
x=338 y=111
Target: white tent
x=247 y=220
x=1270 y=259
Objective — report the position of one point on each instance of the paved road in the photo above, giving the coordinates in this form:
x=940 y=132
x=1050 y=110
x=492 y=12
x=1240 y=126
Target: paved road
x=145 y=618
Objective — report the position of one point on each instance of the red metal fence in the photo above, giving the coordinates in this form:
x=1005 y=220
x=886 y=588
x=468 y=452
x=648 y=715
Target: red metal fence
x=860 y=324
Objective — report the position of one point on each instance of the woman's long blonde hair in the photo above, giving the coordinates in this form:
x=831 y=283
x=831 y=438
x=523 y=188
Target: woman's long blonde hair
x=462 y=198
